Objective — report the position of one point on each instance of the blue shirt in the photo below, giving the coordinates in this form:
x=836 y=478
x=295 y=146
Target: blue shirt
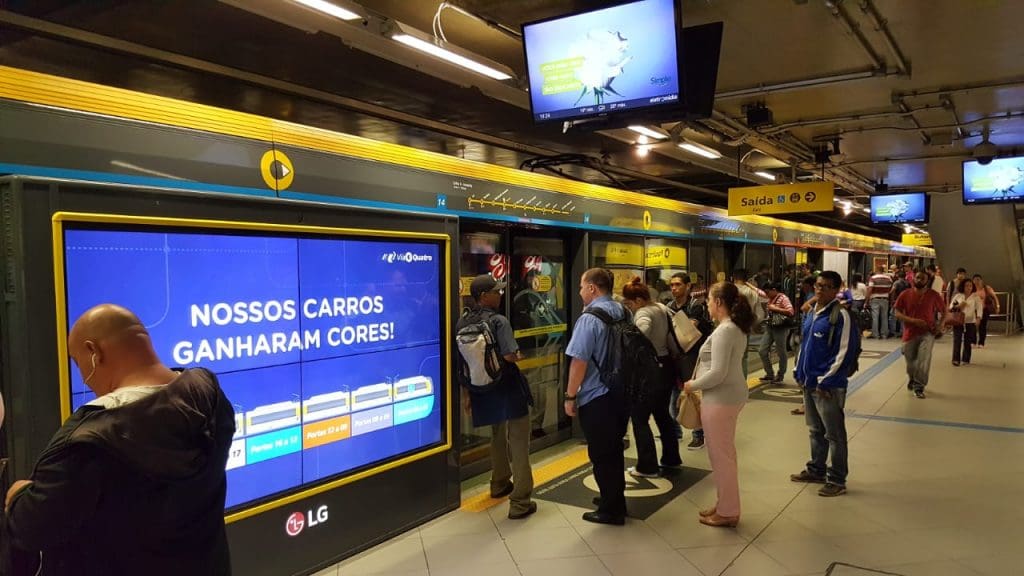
x=590 y=342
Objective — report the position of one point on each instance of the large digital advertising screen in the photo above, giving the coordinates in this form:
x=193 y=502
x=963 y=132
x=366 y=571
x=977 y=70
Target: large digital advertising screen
x=1001 y=180
x=609 y=60
x=329 y=346
x=900 y=208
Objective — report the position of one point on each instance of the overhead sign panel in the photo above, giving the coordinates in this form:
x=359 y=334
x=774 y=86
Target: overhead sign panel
x=781 y=199
x=917 y=240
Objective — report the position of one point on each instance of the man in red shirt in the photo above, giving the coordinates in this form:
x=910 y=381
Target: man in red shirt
x=923 y=314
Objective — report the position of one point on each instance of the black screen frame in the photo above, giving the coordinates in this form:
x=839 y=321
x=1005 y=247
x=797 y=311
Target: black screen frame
x=927 y=209
x=963 y=185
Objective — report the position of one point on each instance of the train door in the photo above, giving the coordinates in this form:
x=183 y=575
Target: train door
x=623 y=255
x=538 y=309
x=663 y=258
x=723 y=258
x=533 y=264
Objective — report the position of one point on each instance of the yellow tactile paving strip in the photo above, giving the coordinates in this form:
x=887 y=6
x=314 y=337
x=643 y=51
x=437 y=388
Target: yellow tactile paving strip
x=541 y=475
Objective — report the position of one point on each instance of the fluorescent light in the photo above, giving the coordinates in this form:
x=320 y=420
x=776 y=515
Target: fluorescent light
x=643 y=140
x=448 y=55
x=648 y=132
x=642 y=151
x=701 y=150
x=330 y=9
x=765 y=175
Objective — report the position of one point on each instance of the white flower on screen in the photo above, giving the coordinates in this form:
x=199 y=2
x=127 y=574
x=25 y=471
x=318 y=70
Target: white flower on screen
x=604 y=58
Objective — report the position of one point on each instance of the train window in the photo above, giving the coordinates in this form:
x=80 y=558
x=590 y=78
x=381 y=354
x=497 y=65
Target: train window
x=624 y=256
x=759 y=263
x=662 y=259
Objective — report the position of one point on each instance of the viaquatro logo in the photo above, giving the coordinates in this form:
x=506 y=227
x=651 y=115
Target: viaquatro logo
x=407 y=257
x=297 y=521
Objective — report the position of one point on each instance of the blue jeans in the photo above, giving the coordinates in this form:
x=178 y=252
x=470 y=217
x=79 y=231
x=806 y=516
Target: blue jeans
x=879 y=317
x=778 y=337
x=827 y=424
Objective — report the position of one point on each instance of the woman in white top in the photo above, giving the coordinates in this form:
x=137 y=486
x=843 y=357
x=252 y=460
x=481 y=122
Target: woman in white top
x=720 y=376
x=970 y=307
x=653 y=320
x=860 y=292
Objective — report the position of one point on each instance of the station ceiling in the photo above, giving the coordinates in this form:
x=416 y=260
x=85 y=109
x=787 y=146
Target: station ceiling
x=908 y=87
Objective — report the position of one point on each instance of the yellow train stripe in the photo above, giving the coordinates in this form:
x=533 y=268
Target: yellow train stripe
x=540 y=330
x=538 y=361
x=542 y=475
x=48 y=90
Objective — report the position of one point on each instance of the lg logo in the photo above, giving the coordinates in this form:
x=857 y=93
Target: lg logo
x=297 y=521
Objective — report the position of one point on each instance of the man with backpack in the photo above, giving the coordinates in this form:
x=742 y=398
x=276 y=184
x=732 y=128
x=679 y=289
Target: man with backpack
x=829 y=351
x=497 y=395
x=597 y=394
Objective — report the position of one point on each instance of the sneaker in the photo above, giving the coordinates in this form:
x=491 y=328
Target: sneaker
x=766 y=379
x=910 y=385
x=955 y=363
x=830 y=489
x=919 y=393
x=807 y=477
x=778 y=380
x=696 y=443
x=634 y=472
x=523 y=514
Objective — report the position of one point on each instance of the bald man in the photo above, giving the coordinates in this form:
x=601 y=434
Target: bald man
x=134 y=481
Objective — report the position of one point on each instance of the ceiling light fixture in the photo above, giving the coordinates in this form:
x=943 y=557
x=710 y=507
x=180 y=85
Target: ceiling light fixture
x=440 y=49
x=701 y=150
x=643 y=140
x=765 y=175
x=329 y=9
x=642 y=150
x=650 y=133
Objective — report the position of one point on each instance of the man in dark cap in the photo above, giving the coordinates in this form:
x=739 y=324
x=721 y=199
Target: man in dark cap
x=133 y=482
x=504 y=403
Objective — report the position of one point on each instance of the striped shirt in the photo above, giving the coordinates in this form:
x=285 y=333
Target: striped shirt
x=879 y=285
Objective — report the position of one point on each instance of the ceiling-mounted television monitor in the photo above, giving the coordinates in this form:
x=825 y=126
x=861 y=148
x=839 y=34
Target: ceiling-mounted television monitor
x=910 y=208
x=1001 y=180
x=616 y=59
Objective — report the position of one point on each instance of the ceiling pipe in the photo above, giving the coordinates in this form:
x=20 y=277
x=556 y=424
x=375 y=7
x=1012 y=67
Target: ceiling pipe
x=792 y=85
x=844 y=119
x=959 y=126
x=882 y=26
x=988 y=85
x=839 y=12
x=961 y=156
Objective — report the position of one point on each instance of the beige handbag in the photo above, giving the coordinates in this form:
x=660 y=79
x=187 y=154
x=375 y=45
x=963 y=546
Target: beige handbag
x=689 y=411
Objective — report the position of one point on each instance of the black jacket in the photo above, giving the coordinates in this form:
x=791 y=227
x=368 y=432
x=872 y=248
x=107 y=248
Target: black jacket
x=137 y=489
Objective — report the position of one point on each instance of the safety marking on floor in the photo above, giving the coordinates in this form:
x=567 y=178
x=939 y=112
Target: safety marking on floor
x=862 y=378
x=964 y=425
x=644 y=496
x=541 y=475
x=791 y=394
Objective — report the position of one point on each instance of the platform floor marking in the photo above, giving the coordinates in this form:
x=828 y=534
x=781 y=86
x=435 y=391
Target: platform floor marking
x=541 y=475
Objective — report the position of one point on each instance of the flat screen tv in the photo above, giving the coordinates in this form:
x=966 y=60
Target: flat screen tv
x=1001 y=180
x=911 y=208
x=616 y=59
x=330 y=346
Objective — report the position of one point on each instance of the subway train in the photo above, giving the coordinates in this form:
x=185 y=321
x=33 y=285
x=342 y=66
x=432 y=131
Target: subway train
x=89 y=173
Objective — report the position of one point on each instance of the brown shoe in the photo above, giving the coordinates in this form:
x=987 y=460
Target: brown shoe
x=720 y=521
x=709 y=512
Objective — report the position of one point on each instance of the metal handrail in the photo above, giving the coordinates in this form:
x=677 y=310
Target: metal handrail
x=1009 y=312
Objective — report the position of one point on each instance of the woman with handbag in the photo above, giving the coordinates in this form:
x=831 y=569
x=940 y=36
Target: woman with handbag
x=653 y=319
x=990 y=304
x=967 y=310
x=780 y=322
x=719 y=375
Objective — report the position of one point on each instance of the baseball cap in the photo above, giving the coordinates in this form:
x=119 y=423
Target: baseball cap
x=484 y=283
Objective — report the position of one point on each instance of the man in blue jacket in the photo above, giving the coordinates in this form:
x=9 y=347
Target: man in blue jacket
x=828 y=355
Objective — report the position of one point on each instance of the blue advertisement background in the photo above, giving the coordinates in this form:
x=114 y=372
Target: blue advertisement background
x=159 y=275
x=1000 y=181
x=650 y=29
x=917 y=209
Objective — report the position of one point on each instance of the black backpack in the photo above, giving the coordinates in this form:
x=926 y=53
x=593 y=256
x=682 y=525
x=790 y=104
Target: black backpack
x=631 y=362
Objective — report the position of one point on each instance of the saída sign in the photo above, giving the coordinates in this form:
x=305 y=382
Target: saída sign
x=781 y=199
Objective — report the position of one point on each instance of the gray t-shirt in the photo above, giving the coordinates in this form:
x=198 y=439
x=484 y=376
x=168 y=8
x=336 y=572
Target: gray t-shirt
x=652 y=320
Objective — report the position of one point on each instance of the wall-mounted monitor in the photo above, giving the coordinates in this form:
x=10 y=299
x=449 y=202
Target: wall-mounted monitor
x=616 y=59
x=330 y=344
x=911 y=208
x=1001 y=180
